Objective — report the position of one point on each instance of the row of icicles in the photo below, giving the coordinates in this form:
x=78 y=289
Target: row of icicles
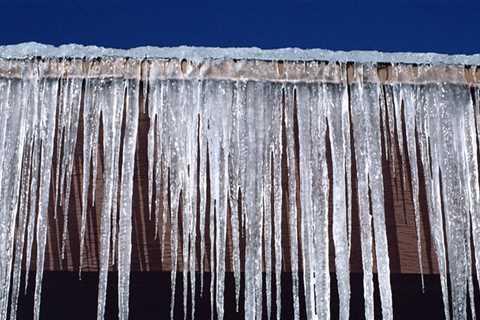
x=238 y=131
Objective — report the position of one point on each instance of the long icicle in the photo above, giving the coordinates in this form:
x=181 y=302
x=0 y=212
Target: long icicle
x=360 y=126
x=410 y=103
x=111 y=103
x=304 y=127
x=428 y=145
x=340 y=227
x=47 y=124
x=277 y=118
x=320 y=189
x=377 y=193
x=126 y=192
x=292 y=193
x=234 y=183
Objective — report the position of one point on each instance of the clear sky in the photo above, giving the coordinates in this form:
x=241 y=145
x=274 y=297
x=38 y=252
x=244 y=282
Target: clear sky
x=446 y=26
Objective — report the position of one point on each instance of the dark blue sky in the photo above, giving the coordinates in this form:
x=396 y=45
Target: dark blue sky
x=445 y=26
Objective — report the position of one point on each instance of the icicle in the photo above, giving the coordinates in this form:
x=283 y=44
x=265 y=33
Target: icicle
x=277 y=118
x=22 y=217
x=389 y=109
x=20 y=236
x=177 y=172
x=346 y=129
x=383 y=119
x=247 y=185
x=409 y=116
x=64 y=119
x=450 y=157
x=156 y=102
x=49 y=88
x=151 y=144
x=427 y=138
x=360 y=131
x=91 y=115
x=305 y=107
x=126 y=193
x=7 y=108
x=111 y=103
x=473 y=135
x=116 y=188
x=166 y=150
x=472 y=205
x=320 y=192
x=32 y=213
x=213 y=114
x=398 y=101
x=188 y=188
x=96 y=132
x=234 y=183
x=196 y=96
x=221 y=123
x=74 y=99
x=292 y=192
x=470 y=284
x=11 y=177
x=251 y=184
x=202 y=180
x=377 y=199
x=269 y=108
x=335 y=117
x=260 y=141
x=59 y=143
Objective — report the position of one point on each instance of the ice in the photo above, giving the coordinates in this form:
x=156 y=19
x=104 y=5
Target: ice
x=151 y=144
x=474 y=188
x=410 y=106
x=377 y=199
x=227 y=137
x=428 y=135
x=193 y=176
x=32 y=213
x=450 y=157
x=126 y=193
x=248 y=168
x=22 y=220
x=336 y=127
x=175 y=146
x=320 y=192
x=73 y=100
x=111 y=105
x=360 y=127
x=268 y=104
x=277 y=122
x=11 y=166
x=305 y=107
x=234 y=183
x=224 y=103
x=202 y=187
x=261 y=140
x=47 y=117
x=91 y=114
x=290 y=93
